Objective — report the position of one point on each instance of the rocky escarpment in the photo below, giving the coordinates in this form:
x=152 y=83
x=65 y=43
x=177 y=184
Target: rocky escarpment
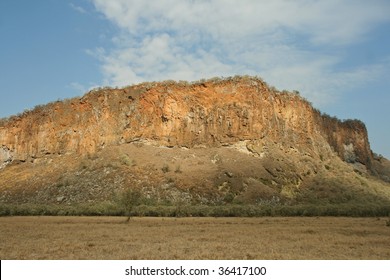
x=210 y=113
x=216 y=142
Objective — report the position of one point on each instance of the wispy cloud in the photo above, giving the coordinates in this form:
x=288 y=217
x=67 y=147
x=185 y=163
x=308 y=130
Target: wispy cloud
x=285 y=42
x=78 y=8
x=78 y=87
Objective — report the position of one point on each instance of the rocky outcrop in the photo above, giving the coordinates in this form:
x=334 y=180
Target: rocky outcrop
x=209 y=113
x=5 y=156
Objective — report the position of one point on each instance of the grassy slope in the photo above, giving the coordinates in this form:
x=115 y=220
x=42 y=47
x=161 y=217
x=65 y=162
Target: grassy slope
x=222 y=181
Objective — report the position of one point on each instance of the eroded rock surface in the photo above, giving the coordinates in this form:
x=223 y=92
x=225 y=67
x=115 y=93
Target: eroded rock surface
x=210 y=113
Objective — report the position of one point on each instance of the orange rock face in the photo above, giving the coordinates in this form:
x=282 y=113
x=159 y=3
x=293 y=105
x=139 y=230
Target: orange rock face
x=210 y=113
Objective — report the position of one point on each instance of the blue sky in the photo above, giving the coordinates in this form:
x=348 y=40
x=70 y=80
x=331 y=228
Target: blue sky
x=335 y=52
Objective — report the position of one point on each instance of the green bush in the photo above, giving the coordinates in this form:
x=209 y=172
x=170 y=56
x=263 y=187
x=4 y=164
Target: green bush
x=131 y=203
x=128 y=200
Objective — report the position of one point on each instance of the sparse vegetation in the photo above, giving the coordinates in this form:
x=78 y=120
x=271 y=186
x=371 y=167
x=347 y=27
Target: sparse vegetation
x=178 y=169
x=132 y=204
x=165 y=168
x=127 y=161
x=193 y=238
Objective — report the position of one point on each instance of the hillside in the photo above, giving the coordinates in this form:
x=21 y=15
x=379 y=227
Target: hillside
x=217 y=142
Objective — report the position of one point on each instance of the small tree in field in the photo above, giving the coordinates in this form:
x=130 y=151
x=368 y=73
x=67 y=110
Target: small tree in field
x=130 y=199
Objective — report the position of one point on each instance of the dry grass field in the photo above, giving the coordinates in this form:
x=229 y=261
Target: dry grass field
x=194 y=238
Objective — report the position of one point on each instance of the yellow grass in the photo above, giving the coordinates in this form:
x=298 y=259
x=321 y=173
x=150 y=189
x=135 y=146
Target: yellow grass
x=194 y=238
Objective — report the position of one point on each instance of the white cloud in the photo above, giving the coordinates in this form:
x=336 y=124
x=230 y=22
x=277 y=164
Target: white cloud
x=331 y=21
x=158 y=58
x=282 y=41
x=78 y=8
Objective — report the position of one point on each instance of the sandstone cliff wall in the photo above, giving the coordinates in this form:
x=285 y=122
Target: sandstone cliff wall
x=210 y=113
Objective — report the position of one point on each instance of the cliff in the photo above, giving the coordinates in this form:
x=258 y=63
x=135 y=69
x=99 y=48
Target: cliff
x=214 y=142
x=209 y=113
